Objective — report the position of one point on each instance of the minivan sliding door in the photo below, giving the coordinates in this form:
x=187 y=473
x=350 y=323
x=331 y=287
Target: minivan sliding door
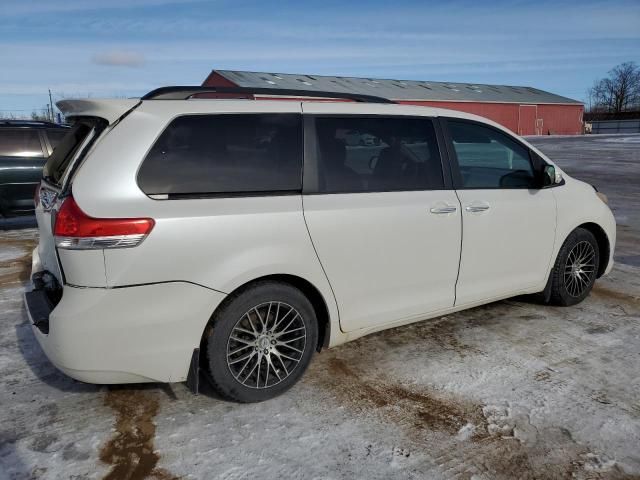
x=385 y=227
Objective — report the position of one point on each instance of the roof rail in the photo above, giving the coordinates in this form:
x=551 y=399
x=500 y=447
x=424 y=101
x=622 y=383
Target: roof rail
x=185 y=93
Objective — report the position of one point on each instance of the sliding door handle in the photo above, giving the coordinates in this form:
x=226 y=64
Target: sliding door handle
x=477 y=207
x=444 y=210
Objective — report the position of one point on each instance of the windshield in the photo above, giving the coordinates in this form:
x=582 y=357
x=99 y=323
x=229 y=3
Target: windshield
x=80 y=137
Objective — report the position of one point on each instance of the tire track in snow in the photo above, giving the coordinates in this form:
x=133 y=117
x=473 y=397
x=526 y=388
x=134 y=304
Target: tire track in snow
x=464 y=439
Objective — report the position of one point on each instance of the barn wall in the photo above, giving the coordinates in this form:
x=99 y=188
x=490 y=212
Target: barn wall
x=551 y=119
x=561 y=119
x=505 y=114
x=216 y=80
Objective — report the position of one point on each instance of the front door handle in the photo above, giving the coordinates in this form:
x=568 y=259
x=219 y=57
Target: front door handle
x=443 y=210
x=477 y=207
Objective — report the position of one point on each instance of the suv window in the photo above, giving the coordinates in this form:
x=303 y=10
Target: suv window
x=226 y=153
x=377 y=154
x=20 y=142
x=489 y=158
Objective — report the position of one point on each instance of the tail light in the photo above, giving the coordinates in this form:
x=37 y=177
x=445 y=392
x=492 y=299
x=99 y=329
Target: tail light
x=75 y=230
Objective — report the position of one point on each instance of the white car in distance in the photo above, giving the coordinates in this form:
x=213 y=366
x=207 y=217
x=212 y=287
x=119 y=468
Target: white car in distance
x=242 y=235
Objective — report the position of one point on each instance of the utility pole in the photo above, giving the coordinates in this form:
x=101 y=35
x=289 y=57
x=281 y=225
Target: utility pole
x=51 y=103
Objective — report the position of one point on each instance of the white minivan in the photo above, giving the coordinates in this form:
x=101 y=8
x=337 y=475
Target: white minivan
x=237 y=236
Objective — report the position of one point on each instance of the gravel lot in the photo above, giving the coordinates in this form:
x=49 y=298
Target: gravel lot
x=508 y=390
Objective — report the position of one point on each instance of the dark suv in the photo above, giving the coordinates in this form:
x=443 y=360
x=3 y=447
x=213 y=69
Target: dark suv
x=24 y=148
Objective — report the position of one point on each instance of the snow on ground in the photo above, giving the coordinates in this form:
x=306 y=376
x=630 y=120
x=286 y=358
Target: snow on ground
x=508 y=390
x=624 y=139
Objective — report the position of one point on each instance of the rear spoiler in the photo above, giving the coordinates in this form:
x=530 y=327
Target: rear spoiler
x=110 y=109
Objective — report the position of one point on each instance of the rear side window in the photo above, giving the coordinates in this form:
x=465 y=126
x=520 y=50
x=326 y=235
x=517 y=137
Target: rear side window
x=377 y=154
x=20 y=142
x=228 y=153
x=488 y=158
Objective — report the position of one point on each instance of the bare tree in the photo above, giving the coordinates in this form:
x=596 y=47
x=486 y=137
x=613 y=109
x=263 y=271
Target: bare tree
x=41 y=115
x=619 y=91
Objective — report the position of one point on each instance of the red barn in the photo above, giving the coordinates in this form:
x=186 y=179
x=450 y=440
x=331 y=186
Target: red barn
x=524 y=110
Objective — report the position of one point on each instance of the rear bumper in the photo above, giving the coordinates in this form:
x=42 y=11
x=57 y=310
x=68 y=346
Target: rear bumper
x=39 y=309
x=124 y=335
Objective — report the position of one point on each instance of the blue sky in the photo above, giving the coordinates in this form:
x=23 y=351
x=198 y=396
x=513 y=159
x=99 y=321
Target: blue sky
x=126 y=47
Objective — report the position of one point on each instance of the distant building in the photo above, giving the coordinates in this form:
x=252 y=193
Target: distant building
x=524 y=110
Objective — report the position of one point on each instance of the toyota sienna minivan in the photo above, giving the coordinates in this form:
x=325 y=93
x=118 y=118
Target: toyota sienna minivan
x=239 y=236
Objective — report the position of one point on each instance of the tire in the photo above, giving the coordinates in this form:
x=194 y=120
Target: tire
x=243 y=339
x=576 y=268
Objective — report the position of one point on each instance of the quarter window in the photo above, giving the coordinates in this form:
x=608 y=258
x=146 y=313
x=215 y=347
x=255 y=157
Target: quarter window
x=488 y=158
x=200 y=154
x=377 y=154
x=20 y=142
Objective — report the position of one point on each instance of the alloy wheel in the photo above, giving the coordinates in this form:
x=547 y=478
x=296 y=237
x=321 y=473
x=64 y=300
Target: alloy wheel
x=266 y=345
x=580 y=268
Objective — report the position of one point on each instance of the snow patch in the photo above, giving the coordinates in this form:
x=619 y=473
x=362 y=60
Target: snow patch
x=634 y=139
x=499 y=420
x=398 y=456
x=466 y=432
x=8 y=253
x=598 y=463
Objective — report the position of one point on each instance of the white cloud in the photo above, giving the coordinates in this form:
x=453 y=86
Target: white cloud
x=119 y=58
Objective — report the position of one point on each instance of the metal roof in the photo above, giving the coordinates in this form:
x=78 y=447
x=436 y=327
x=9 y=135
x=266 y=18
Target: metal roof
x=397 y=89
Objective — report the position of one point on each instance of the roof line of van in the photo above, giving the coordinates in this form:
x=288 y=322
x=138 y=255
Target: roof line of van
x=187 y=92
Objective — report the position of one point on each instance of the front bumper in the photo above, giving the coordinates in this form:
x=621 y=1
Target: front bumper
x=133 y=334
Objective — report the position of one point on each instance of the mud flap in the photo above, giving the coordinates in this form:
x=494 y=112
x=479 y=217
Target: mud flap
x=546 y=293
x=193 y=377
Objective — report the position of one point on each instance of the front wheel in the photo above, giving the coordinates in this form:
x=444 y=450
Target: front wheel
x=261 y=342
x=575 y=270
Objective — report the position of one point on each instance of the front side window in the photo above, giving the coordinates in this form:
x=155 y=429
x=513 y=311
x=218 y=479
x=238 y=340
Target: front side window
x=488 y=158
x=226 y=153
x=377 y=154
x=20 y=142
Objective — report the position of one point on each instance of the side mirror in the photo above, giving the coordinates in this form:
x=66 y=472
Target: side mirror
x=550 y=176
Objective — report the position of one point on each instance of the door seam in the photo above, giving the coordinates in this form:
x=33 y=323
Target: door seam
x=304 y=218
x=455 y=289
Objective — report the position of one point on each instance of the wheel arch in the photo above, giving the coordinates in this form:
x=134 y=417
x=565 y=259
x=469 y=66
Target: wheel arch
x=604 y=245
x=310 y=291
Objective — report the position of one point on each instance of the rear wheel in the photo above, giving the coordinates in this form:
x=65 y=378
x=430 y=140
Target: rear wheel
x=575 y=270
x=261 y=342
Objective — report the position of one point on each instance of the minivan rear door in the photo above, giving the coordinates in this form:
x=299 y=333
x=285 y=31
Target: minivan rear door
x=57 y=173
x=91 y=119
